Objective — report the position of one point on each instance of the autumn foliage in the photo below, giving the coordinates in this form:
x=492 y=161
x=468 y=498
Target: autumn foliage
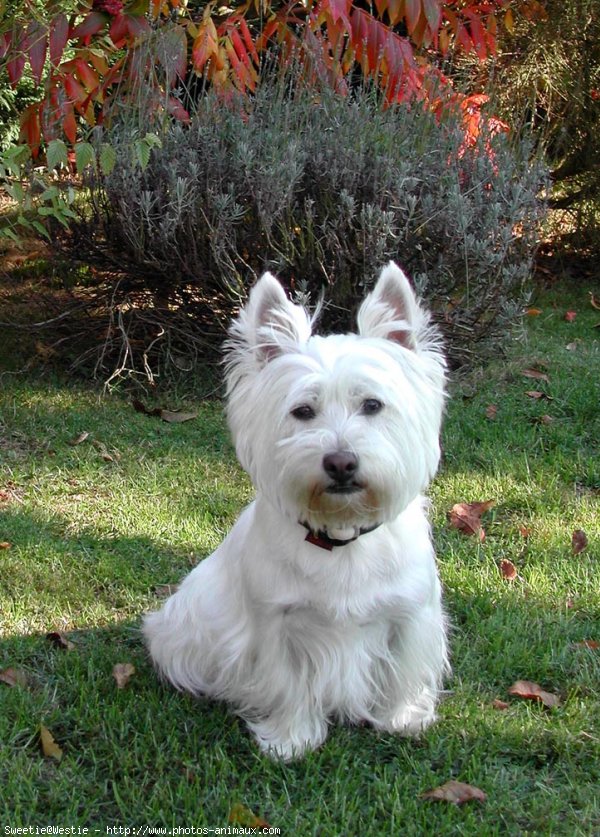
x=86 y=60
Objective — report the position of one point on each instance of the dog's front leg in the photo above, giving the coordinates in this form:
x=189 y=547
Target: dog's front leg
x=288 y=693
x=412 y=675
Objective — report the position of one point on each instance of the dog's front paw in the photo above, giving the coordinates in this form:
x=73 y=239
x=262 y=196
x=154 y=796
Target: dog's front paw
x=289 y=744
x=408 y=719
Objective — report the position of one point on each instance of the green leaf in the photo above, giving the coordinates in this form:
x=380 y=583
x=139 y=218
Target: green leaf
x=15 y=190
x=142 y=153
x=153 y=141
x=56 y=154
x=84 y=156
x=49 y=193
x=37 y=225
x=108 y=158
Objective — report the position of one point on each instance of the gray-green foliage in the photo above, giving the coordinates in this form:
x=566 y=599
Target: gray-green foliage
x=323 y=189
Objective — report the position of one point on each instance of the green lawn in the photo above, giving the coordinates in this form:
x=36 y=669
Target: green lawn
x=92 y=532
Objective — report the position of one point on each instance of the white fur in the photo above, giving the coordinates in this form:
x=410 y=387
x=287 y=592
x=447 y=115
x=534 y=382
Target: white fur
x=291 y=634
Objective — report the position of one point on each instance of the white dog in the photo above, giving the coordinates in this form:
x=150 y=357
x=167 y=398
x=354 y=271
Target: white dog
x=323 y=602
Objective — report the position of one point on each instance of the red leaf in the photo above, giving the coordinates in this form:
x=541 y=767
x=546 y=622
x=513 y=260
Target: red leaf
x=455 y=792
x=31 y=129
x=531 y=691
x=248 y=39
x=466 y=517
x=14 y=677
x=59 y=35
x=205 y=45
x=592 y=644
x=508 y=569
x=15 y=68
x=413 y=13
x=70 y=124
x=136 y=25
x=340 y=10
x=176 y=109
x=433 y=13
x=478 y=37
x=579 y=541
x=38 y=43
x=90 y=25
x=534 y=393
x=500 y=704
x=240 y=49
x=76 y=94
x=87 y=76
x=570 y=316
x=491 y=411
x=535 y=373
x=118 y=30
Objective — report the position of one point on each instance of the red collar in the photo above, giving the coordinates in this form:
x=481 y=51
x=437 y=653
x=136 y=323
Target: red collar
x=323 y=540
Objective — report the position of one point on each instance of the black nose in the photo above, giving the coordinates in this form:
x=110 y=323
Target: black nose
x=341 y=465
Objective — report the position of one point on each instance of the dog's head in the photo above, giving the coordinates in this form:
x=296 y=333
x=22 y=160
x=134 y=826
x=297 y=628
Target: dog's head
x=340 y=433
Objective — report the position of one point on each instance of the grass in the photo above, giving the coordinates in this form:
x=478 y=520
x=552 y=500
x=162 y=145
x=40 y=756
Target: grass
x=95 y=529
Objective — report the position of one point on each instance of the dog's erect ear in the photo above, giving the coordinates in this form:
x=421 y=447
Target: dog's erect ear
x=391 y=310
x=269 y=323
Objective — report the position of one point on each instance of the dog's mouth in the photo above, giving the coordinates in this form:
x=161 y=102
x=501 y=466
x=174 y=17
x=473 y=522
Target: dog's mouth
x=344 y=488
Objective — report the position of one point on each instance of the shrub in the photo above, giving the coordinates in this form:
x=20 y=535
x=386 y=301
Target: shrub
x=321 y=189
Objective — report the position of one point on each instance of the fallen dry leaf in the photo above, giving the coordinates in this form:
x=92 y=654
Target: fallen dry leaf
x=171 y=416
x=79 y=439
x=535 y=373
x=491 y=411
x=534 y=393
x=533 y=312
x=122 y=673
x=500 y=704
x=546 y=419
x=579 y=541
x=455 y=792
x=594 y=302
x=466 y=517
x=572 y=347
x=570 y=316
x=5 y=545
x=60 y=640
x=176 y=416
x=525 y=531
x=508 y=569
x=531 y=691
x=14 y=677
x=240 y=815
x=50 y=748
x=588 y=643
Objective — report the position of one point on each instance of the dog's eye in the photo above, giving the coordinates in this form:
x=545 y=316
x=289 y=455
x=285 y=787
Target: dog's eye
x=370 y=406
x=304 y=413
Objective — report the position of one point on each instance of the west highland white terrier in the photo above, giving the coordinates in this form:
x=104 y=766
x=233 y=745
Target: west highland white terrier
x=323 y=602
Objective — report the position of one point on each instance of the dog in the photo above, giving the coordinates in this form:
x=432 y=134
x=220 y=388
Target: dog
x=323 y=603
